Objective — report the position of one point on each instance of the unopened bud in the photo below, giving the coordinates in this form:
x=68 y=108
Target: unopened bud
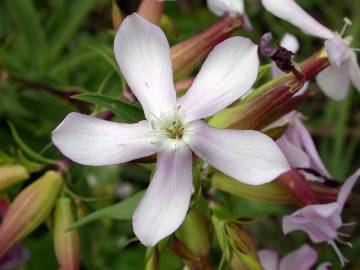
x=151 y=10
x=272 y=100
x=12 y=174
x=236 y=244
x=189 y=53
x=246 y=255
x=67 y=247
x=29 y=209
x=271 y=192
x=194 y=234
x=295 y=183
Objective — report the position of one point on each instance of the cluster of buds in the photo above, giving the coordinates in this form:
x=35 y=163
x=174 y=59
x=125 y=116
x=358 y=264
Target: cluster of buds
x=31 y=207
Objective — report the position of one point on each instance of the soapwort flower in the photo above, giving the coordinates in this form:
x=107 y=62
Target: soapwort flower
x=173 y=128
x=232 y=8
x=302 y=258
x=344 y=67
x=299 y=148
x=321 y=222
x=226 y=7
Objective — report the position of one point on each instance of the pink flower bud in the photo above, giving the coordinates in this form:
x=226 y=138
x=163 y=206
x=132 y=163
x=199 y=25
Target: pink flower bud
x=151 y=10
x=269 y=102
x=29 y=209
x=12 y=174
x=67 y=247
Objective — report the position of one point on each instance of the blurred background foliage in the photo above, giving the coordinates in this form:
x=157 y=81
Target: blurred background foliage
x=51 y=49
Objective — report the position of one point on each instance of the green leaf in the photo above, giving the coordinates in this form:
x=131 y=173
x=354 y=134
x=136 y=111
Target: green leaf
x=71 y=20
x=120 y=211
x=107 y=55
x=28 y=21
x=31 y=153
x=126 y=111
x=5 y=158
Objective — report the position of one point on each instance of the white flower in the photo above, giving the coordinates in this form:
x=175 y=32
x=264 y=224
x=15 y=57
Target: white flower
x=335 y=79
x=173 y=128
x=223 y=7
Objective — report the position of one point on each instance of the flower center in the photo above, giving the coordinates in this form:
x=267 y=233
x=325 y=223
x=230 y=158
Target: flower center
x=171 y=124
x=175 y=130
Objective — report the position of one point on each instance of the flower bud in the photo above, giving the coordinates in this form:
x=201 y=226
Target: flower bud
x=246 y=255
x=12 y=174
x=67 y=247
x=294 y=182
x=271 y=192
x=272 y=100
x=187 y=54
x=194 y=234
x=151 y=10
x=29 y=209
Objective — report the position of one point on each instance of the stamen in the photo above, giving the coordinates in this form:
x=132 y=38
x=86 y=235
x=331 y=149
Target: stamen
x=348 y=224
x=344 y=242
x=342 y=259
x=347 y=22
x=343 y=234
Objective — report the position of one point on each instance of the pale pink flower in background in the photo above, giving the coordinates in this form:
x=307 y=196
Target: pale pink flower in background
x=231 y=8
x=344 y=67
x=321 y=222
x=302 y=258
x=224 y=7
x=299 y=148
x=173 y=127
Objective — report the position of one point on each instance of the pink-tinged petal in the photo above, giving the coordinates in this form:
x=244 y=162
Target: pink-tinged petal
x=290 y=11
x=310 y=148
x=143 y=54
x=334 y=81
x=223 y=7
x=296 y=156
x=228 y=73
x=269 y=259
x=354 y=70
x=290 y=42
x=324 y=266
x=91 y=141
x=337 y=50
x=282 y=121
x=248 y=156
x=301 y=259
x=165 y=203
x=347 y=187
x=320 y=222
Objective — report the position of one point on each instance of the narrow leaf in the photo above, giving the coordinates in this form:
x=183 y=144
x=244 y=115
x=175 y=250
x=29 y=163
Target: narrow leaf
x=31 y=153
x=120 y=211
x=126 y=111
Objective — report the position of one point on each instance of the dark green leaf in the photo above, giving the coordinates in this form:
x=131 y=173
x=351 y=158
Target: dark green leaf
x=128 y=112
x=31 y=153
